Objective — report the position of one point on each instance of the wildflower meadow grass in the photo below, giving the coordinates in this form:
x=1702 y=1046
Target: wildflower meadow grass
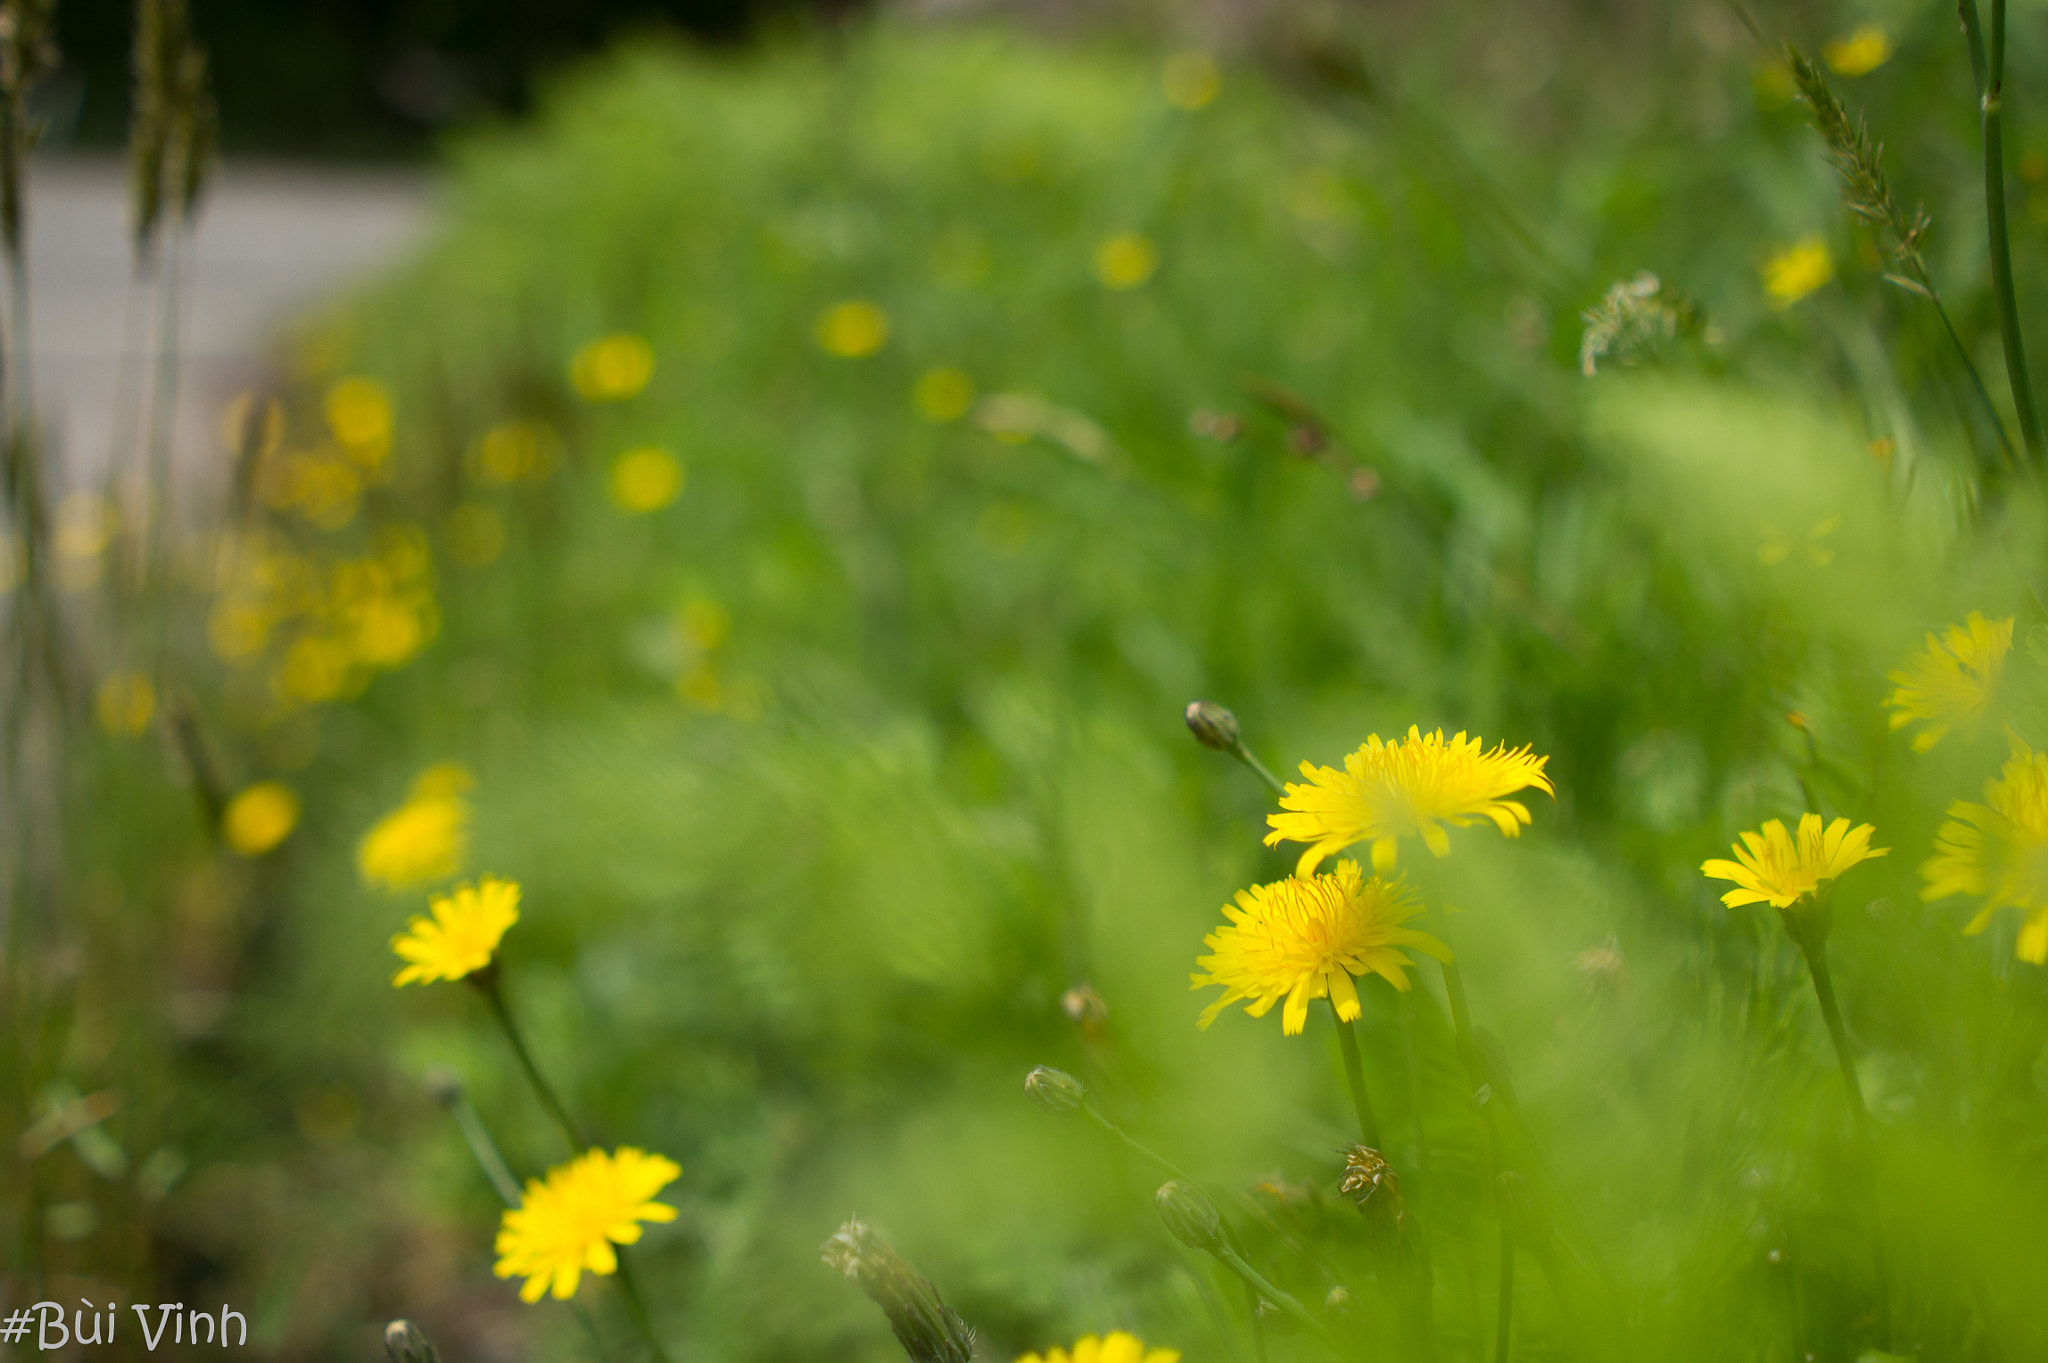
x=805 y=682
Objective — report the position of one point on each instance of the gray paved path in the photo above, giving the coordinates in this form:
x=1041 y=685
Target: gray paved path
x=271 y=240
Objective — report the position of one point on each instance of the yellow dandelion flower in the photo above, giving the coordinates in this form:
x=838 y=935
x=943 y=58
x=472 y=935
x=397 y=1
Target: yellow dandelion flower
x=1773 y=867
x=1860 y=52
x=126 y=703
x=1125 y=261
x=1118 y=1346
x=1797 y=270
x=1305 y=939
x=462 y=935
x=1999 y=850
x=259 y=818
x=571 y=1221
x=852 y=330
x=424 y=839
x=645 y=479
x=612 y=368
x=1952 y=680
x=1414 y=785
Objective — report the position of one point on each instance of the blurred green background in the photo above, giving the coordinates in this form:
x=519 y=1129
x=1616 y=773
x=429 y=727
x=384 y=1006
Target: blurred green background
x=1009 y=391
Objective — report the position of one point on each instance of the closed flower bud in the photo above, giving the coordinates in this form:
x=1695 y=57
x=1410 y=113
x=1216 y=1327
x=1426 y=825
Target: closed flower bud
x=1189 y=1215
x=444 y=1087
x=1055 y=1091
x=926 y=1328
x=404 y=1342
x=1213 y=726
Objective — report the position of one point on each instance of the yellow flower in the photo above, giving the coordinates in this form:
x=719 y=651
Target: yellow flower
x=1125 y=261
x=461 y=936
x=1771 y=867
x=1797 y=270
x=645 y=479
x=571 y=1221
x=1952 y=680
x=423 y=839
x=1861 y=52
x=2000 y=850
x=1414 y=785
x=943 y=394
x=259 y=818
x=126 y=703
x=852 y=330
x=1117 y=1347
x=612 y=368
x=359 y=414
x=1310 y=939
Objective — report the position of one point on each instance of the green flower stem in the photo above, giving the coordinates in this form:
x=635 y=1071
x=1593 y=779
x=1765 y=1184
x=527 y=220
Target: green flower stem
x=1253 y=1279
x=1354 y=1077
x=1475 y=1069
x=1251 y=1304
x=1504 y=1321
x=1137 y=1147
x=1816 y=953
x=1246 y=756
x=486 y=981
x=637 y=1308
x=1991 y=85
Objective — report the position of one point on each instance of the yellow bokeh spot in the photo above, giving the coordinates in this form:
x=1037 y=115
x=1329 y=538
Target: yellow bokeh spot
x=126 y=703
x=442 y=781
x=612 y=368
x=1795 y=271
x=705 y=623
x=514 y=451
x=943 y=394
x=1190 y=79
x=853 y=329
x=1861 y=52
x=237 y=630
x=700 y=686
x=259 y=818
x=359 y=414
x=1771 y=83
x=645 y=479
x=1125 y=261
x=475 y=534
x=315 y=669
x=84 y=525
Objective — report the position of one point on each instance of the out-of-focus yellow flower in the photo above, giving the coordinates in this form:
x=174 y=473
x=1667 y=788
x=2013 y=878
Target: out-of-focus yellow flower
x=84 y=525
x=1771 y=83
x=126 y=703
x=359 y=414
x=515 y=451
x=612 y=368
x=461 y=937
x=384 y=632
x=1772 y=867
x=1999 y=850
x=1190 y=79
x=569 y=1223
x=1302 y=939
x=424 y=839
x=1859 y=52
x=1953 y=680
x=1794 y=271
x=1116 y=1347
x=315 y=669
x=1413 y=785
x=704 y=622
x=1125 y=260
x=645 y=479
x=853 y=329
x=475 y=534
x=259 y=818
x=943 y=394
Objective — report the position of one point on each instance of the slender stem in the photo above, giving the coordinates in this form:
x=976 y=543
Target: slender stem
x=1251 y=1304
x=1246 y=756
x=1143 y=1151
x=1991 y=82
x=637 y=1308
x=1354 y=1077
x=493 y=992
x=1504 y=1320
x=1976 y=378
x=1234 y=1261
x=1824 y=989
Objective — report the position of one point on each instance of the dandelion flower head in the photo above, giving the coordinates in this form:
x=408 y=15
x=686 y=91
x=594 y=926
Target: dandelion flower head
x=1999 y=849
x=1303 y=939
x=1952 y=680
x=259 y=818
x=463 y=934
x=570 y=1221
x=1414 y=785
x=1773 y=867
x=1119 y=1346
x=612 y=368
x=1797 y=270
x=424 y=839
x=1859 y=52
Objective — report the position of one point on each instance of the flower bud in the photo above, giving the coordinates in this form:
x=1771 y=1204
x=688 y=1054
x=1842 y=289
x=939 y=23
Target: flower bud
x=404 y=1342
x=926 y=1328
x=1055 y=1091
x=1213 y=726
x=1189 y=1215
x=1338 y=1302
x=444 y=1087
x=1369 y=1181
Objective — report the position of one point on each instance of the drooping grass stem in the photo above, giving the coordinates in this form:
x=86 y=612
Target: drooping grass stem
x=1354 y=1078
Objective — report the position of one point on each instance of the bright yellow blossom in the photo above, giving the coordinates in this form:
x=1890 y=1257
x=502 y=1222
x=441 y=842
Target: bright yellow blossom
x=2000 y=850
x=1860 y=52
x=1772 y=867
x=852 y=330
x=1797 y=270
x=571 y=1221
x=1414 y=785
x=1953 y=679
x=612 y=368
x=259 y=818
x=462 y=935
x=1125 y=261
x=1116 y=1347
x=1311 y=938
x=424 y=839
x=645 y=479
